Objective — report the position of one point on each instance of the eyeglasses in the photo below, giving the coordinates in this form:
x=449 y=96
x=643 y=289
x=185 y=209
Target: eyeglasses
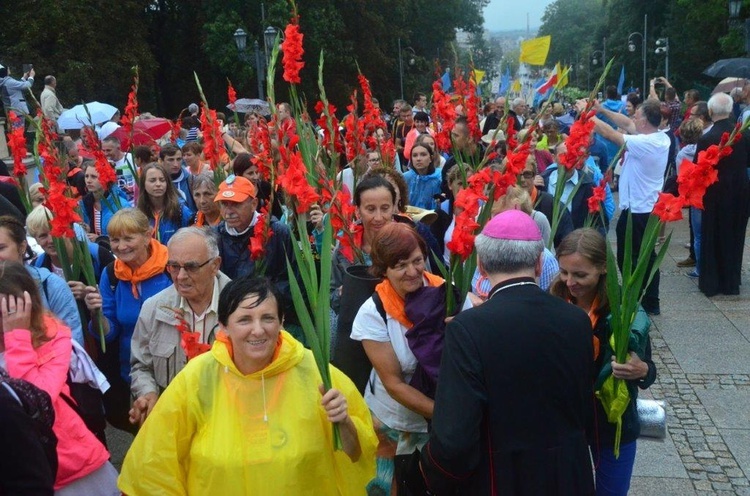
x=190 y=267
x=527 y=175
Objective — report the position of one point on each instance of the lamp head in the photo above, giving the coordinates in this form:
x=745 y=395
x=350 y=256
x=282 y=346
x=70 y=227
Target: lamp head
x=240 y=39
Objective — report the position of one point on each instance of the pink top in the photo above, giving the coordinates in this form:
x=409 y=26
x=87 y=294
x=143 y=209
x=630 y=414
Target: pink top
x=79 y=452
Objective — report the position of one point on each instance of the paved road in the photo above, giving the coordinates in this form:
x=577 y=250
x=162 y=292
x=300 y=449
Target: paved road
x=702 y=351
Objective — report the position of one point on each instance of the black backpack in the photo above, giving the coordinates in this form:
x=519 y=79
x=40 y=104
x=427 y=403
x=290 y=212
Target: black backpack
x=38 y=405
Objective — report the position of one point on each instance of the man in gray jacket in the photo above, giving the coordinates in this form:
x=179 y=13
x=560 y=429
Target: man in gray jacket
x=12 y=90
x=189 y=305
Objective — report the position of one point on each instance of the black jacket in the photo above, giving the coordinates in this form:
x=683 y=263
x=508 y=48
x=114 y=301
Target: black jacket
x=514 y=400
x=545 y=203
x=25 y=467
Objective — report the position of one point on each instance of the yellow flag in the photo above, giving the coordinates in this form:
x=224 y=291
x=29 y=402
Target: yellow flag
x=534 y=51
x=562 y=75
x=516 y=86
x=478 y=75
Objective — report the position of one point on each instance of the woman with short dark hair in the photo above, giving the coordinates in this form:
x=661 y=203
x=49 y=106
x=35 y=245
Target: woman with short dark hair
x=251 y=416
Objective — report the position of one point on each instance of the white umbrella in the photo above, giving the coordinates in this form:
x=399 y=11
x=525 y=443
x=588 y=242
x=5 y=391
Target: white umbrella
x=245 y=105
x=87 y=114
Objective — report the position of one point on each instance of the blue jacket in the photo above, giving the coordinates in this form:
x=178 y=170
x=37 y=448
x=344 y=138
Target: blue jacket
x=167 y=227
x=109 y=208
x=121 y=309
x=184 y=185
x=58 y=299
x=422 y=189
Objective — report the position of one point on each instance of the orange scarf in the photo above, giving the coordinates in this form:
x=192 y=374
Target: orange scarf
x=594 y=320
x=201 y=220
x=534 y=195
x=155 y=265
x=394 y=305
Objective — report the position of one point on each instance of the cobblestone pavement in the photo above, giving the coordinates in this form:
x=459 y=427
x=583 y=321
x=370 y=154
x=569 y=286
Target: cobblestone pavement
x=701 y=348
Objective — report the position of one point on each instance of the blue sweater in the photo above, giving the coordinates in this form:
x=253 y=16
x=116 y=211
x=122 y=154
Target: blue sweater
x=109 y=208
x=121 y=309
x=167 y=228
x=422 y=189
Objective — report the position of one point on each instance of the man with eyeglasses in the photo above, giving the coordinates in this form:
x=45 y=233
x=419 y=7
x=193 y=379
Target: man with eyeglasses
x=156 y=353
x=642 y=178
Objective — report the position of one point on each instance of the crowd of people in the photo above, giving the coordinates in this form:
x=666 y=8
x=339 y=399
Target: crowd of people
x=205 y=361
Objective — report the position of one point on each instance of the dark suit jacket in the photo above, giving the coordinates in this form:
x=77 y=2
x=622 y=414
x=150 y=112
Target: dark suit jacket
x=514 y=399
x=724 y=219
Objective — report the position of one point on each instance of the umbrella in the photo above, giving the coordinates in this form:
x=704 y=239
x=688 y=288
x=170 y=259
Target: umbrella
x=729 y=68
x=246 y=105
x=145 y=132
x=77 y=117
x=728 y=84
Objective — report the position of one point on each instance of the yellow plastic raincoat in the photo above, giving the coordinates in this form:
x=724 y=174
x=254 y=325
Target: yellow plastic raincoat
x=215 y=431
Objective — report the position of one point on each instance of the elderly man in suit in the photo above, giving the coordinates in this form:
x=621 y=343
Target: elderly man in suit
x=514 y=399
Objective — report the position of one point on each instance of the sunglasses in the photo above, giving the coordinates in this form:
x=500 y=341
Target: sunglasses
x=190 y=267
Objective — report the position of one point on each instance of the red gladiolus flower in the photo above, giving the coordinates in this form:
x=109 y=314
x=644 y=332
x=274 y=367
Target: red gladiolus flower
x=213 y=147
x=578 y=142
x=262 y=233
x=294 y=183
x=17 y=144
x=598 y=195
x=231 y=94
x=107 y=173
x=668 y=208
x=292 y=49
x=63 y=209
x=131 y=109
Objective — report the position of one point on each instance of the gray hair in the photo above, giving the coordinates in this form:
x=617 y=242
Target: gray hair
x=204 y=178
x=518 y=101
x=720 y=105
x=505 y=256
x=208 y=235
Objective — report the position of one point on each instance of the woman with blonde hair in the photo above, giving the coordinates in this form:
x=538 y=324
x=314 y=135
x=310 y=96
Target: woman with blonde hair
x=138 y=273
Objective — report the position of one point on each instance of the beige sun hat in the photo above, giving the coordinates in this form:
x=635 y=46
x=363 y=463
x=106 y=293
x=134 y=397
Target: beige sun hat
x=421 y=215
x=499 y=138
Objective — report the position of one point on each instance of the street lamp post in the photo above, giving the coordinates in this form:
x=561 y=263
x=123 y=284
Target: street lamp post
x=411 y=61
x=269 y=38
x=662 y=46
x=240 y=39
x=631 y=47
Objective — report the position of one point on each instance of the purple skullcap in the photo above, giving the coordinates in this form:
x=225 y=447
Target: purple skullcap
x=513 y=225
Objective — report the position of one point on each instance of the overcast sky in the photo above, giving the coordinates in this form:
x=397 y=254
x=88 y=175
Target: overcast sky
x=500 y=15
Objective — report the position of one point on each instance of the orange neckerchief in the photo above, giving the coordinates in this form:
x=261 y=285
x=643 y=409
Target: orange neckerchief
x=224 y=338
x=155 y=265
x=394 y=305
x=534 y=195
x=594 y=318
x=200 y=220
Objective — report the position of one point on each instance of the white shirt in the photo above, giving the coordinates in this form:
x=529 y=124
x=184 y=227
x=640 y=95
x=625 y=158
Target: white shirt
x=642 y=176
x=368 y=324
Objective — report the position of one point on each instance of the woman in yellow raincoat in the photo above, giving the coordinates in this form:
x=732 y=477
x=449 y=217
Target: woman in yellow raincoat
x=249 y=417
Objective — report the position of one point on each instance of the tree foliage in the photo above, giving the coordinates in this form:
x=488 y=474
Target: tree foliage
x=91 y=47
